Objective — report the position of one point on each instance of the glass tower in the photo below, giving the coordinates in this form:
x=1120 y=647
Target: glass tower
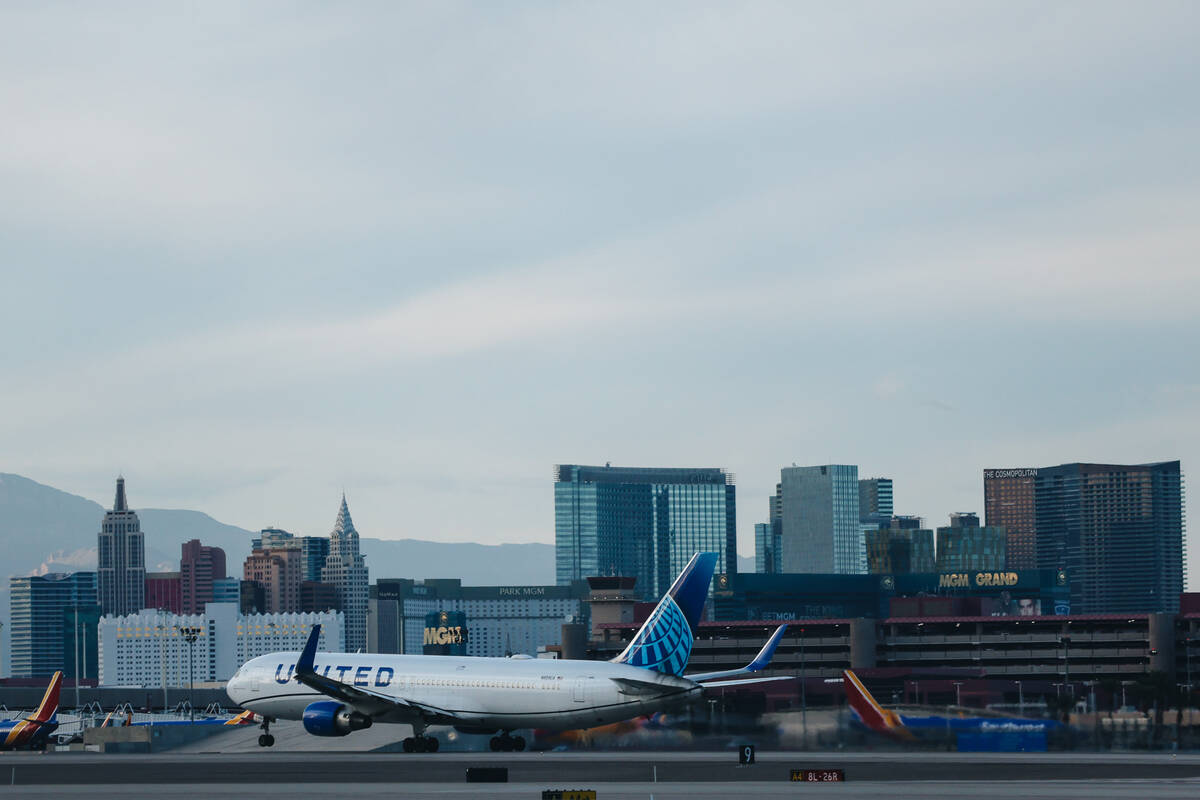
x=38 y=606
x=1117 y=529
x=821 y=529
x=641 y=522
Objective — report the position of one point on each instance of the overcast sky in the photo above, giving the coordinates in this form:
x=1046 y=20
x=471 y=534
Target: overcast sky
x=256 y=253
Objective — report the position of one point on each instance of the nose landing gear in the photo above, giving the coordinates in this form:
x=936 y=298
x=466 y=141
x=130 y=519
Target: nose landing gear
x=507 y=744
x=266 y=739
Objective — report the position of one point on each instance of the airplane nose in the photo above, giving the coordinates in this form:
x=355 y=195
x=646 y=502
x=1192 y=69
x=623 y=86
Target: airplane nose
x=235 y=688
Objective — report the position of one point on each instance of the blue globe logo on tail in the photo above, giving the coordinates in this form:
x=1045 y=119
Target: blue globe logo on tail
x=664 y=642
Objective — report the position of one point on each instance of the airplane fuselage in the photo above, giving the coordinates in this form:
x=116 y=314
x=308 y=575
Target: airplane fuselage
x=475 y=693
x=18 y=734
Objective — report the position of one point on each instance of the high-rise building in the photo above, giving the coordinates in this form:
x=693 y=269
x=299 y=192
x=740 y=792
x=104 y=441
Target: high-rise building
x=645 y=523
x=227 y=590
x=1008 y=502
x=768 y=537
x=279 y=571
x=875 y=497
x=767 y=540
x=962 y=548
x=346 y=570
x=964 y=519
x=199 y=566
x=314 y=548
x=164 y=590
x=38 y=603
x=121 y=556
x=316 y=596
x=899 y=551
x=1117 y=530
x=821 y=529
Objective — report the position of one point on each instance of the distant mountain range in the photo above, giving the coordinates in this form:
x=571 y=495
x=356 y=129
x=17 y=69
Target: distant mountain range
x=43 y=529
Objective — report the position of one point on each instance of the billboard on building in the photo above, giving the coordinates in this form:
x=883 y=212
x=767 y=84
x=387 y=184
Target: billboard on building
x=445 y=633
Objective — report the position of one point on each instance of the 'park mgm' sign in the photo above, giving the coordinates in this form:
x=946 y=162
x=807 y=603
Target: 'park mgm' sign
x=445 y=633
x=964 y=580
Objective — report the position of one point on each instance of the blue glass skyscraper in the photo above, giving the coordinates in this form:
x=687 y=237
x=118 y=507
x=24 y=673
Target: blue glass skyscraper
x=641 y=522
x=821 y=529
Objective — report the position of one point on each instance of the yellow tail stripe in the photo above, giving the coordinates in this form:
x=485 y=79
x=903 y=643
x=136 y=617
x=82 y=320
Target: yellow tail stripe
x=870 y=698
x=14 y=736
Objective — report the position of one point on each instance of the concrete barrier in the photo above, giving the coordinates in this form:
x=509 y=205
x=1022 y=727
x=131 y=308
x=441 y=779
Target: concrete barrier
x=147 y=738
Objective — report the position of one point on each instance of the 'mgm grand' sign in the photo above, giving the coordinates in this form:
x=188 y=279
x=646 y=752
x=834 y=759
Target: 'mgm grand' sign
x=964 y=580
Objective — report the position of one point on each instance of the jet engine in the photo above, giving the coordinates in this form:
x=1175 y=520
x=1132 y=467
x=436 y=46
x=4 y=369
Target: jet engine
x=329 y=718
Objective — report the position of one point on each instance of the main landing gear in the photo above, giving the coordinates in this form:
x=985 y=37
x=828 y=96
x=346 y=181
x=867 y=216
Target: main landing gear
x=507 y=744
x=266 y=739
x=421 y=744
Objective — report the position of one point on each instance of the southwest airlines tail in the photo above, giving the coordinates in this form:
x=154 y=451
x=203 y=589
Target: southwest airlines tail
x=49 y=707
x=664 y=642
x=869 y=712
x=32 y=731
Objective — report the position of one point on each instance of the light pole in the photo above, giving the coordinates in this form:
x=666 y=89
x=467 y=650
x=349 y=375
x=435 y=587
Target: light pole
x=1187 y=661
x=1020 y=699
x=76 y=669
x=1065 y=639
x=803 y=694
x=161 y=629
x=190 y=633
x=958 y=693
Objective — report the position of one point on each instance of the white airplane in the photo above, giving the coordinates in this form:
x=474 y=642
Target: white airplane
x=337 y=693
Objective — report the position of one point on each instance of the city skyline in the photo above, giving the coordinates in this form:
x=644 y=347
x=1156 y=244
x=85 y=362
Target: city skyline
x=425 y=253
x=1190 y=566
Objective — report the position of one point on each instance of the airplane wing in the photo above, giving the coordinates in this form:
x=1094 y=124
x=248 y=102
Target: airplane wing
x=373 y=704
x=744 y=681
x=648 y=688
x=760 y=661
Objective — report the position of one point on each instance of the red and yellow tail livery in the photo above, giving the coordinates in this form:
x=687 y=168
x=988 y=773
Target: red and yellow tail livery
x=33 y=731
x=869 y=712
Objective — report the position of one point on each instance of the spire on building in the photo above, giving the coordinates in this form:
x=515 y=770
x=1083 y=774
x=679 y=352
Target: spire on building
x=119 y=504
x=344 y=525
x=346 y=570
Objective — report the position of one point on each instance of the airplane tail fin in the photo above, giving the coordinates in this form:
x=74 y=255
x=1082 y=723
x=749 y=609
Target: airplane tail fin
x=664 y=642
x=49 y=706
x=868 y=710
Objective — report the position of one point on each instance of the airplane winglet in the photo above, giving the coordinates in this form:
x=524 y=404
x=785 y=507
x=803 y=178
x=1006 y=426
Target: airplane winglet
x=768 y=650
x=304 y=665
x=759 y=663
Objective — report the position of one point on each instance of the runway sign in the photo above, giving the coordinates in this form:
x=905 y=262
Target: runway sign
x=746 y=754
x=568 y=794
x=819 y=775
x=487 y=774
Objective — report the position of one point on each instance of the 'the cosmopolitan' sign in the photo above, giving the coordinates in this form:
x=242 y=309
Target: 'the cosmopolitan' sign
x=989 y=474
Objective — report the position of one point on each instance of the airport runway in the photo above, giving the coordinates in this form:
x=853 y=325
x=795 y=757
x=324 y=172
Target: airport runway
x=950 y=790
x=613 y=775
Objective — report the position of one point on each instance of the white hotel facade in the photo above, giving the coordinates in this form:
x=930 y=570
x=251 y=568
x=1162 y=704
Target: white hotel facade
x=149 y=648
